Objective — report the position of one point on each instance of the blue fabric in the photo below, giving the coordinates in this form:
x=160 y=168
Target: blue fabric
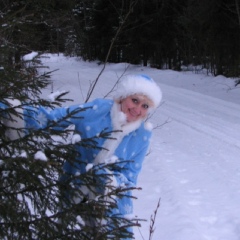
x=95 y=118
x=3 y=106
x=146 y=77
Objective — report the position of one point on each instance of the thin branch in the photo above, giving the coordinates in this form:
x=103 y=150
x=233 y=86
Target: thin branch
x=153 y=220
x=112 y=89
x=110 y=49
x=79 y=83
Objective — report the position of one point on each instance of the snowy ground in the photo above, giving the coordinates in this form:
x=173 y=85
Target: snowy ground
x=194 y=163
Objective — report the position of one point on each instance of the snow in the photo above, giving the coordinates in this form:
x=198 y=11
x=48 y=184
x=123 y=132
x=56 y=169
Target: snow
x=193 y=165
x=39 y=155
x=53 y=96
x=30 y=56
x=89 y=166
x=68 y=137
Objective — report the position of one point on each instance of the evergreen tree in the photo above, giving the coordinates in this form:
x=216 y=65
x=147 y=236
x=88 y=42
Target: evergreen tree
x=34 y=202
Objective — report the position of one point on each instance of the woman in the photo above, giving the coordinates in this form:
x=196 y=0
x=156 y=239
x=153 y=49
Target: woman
x=124 y=116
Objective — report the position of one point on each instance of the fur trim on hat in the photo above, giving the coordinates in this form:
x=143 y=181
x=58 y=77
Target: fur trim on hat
x=139 y=84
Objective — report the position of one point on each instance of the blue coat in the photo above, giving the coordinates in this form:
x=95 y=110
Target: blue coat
x=132 y=146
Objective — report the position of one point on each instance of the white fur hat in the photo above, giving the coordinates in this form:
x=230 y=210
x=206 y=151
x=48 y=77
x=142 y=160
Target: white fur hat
x=139 y=84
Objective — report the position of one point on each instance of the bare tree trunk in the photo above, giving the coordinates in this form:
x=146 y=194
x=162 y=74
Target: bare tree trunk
x=238 y=11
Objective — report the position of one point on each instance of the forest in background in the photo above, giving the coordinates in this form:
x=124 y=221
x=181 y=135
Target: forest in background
x=164 y=34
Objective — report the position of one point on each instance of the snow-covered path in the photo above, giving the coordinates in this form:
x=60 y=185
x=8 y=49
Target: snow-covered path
x=194 y=168
x=194 y=162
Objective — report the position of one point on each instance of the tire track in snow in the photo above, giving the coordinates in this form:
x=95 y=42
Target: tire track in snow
x=195 y=189
x=172 y=220
x=216 y=118
x=208 y=126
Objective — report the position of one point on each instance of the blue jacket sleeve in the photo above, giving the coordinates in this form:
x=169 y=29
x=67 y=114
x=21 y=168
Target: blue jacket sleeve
x=40 y=117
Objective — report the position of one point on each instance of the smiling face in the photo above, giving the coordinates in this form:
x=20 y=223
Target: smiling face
x=135 y=107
